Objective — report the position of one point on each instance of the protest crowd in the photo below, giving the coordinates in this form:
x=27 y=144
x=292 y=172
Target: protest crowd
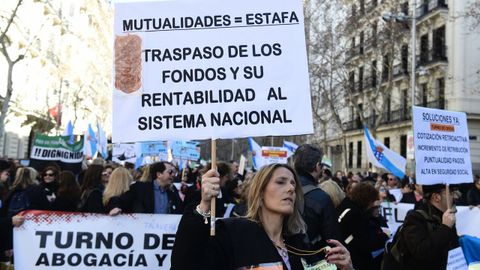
x=296 y=215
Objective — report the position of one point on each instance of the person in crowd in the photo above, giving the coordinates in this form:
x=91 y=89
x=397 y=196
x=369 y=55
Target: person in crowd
x=224 y=169
x=381 y=186
x=392 y=181
x=25 y=194
x=107 y=171
x=6 y=221
x=429 y=238
x=334 y=191
x=350 y=187
x=269 y=236
x=319 y=212
x=119 y=183
x=145 y=174
x=363 y=238
x=415 y=195
x=131 y=168
x=473 y=195
x=68 y=194
x=157 y=196
x=49 y=182
x=92 y=190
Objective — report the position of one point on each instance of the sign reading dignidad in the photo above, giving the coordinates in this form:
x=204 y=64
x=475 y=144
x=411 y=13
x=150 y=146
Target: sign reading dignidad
x=209 y=69
x=442 y=148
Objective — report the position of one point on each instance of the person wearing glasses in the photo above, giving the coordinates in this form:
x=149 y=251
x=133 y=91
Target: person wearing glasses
x=49 y=182
x=157 y=196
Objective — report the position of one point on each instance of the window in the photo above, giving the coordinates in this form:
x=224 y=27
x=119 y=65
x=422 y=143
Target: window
x=374 y=73
x=386 y=63
x=424 y=93
x=405 y=8
x=441 y=93
x=359 y=120
x=362 y=40
x=386 y=141
x=403 y=146
x=351 y=81
x=350 y=155
x=438 y=42
x=404 y=103
x=423 y=49
x=359 y=154
x=404 y=59
x=360 y=79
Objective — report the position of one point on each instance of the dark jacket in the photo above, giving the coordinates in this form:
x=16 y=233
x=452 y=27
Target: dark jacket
x=319 y=214
x=238 y=243
x=140 y=199
x=91 y=201
x=66 y=204
x=424 y=249
x=364 y=235
x=37 y=201
x=473 y=196
x=192 y=199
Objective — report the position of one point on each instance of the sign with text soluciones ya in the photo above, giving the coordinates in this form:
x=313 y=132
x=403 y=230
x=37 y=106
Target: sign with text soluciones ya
x=442 y=148
x=209 y=69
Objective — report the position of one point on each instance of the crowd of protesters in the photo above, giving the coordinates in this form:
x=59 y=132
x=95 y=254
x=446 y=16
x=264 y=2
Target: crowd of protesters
x=339 y=207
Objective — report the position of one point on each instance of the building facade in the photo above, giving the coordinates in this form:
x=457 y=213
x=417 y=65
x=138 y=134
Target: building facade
x=379 y=65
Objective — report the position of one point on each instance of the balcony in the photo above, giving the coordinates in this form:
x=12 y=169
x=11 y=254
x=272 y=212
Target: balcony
x=371 y=6
x=433 y=5
x=432 y=56
x=355 y=51
x=370 y=82
x=436 y=104
x=371 y=43
x=400 y=115
x=399 y=70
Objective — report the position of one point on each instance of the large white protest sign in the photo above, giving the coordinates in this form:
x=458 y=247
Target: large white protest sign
x=467 y=218
x=442 y=148
x=59 y=240
x=209 y=69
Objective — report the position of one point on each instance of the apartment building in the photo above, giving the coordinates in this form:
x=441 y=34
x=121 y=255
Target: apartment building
x=379 y=63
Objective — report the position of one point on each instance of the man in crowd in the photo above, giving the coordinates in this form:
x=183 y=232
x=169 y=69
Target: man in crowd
x=157 y=196
x=319 y=212
x=428 y=236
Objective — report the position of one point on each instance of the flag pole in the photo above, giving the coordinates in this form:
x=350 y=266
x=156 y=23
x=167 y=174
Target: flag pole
x=213 y=201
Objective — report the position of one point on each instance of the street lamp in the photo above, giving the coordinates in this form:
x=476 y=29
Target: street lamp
x=401 y=17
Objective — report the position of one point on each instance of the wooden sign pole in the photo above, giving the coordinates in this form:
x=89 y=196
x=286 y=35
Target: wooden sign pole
x=213 y=201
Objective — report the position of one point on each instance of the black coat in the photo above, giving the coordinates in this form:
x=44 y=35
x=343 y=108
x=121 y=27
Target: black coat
x=38 y=201
x=140 y=199
x=319 y=214
x=66 y=204
x=424 y=249
x=364 y=235
x=91 y=201
x=238 y=243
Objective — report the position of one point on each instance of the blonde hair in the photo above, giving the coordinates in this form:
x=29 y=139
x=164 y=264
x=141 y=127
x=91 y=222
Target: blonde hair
x=119 y=183
x=25 y=177
x=293 y=224
x=334 y=191
x=146 y=174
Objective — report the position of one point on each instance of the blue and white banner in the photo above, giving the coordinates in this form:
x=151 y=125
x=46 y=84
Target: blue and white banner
x=471 y=250
x=291 y=147
x=69 y=132
x=90 y=143
x=380 y=156
x=102 y=141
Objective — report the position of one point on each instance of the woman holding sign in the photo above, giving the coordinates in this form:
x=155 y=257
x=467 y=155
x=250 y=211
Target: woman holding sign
x=271 y=236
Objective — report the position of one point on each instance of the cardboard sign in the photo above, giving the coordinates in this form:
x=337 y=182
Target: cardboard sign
x=272 y=154
x=209 y=69
x=442 y=147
